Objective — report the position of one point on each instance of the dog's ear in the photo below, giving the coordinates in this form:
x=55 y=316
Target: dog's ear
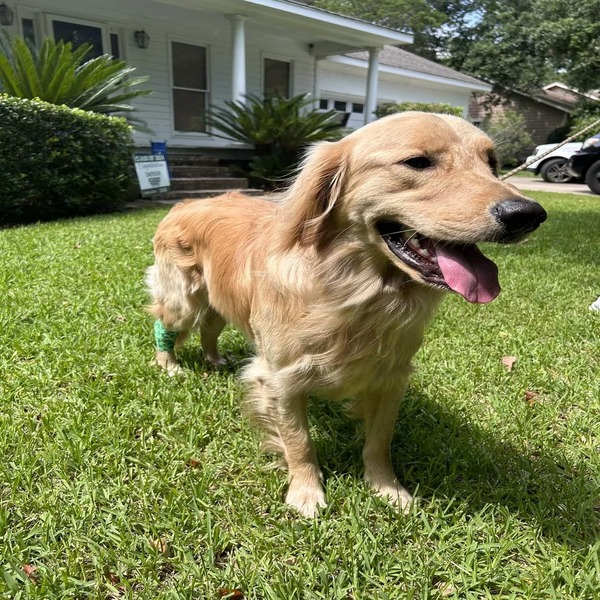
x=314 y=193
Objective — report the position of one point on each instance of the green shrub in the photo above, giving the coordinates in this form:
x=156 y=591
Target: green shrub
x=585 y=113
x=278 y=128
x=57 y=161
x=390 y=108
x=556 y=136
x=510 y=137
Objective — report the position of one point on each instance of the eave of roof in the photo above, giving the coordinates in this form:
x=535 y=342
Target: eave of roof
x=403 y=62
x=386 y=35
x=449 y=77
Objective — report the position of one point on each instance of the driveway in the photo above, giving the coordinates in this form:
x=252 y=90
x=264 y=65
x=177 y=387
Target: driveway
x=539 y=185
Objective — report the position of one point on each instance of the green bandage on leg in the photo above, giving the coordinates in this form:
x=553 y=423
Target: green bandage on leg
x=165 y=340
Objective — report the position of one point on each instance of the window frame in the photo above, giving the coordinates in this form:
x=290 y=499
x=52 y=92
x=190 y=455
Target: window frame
x=207 y=92
x=104 y=27
x=26 y=12
x=280 y=58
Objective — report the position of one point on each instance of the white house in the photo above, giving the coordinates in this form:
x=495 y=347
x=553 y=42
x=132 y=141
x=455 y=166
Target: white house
x=201 y=52
x=402 y=77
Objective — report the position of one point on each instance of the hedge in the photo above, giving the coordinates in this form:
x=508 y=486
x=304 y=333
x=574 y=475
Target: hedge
x=57 y=161
x=390 y=108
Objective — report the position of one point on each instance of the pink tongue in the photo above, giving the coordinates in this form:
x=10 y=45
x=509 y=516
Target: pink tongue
x=467 y=271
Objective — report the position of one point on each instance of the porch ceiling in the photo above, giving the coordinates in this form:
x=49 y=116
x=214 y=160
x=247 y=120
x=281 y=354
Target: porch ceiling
x=309 y=25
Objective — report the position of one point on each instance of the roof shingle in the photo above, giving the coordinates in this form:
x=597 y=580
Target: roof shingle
x=401 y=59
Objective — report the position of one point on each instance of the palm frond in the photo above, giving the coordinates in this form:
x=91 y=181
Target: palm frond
x=279 y=129
x=62 y=75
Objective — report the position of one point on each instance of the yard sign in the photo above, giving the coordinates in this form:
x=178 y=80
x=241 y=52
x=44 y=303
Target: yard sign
x=152 y=173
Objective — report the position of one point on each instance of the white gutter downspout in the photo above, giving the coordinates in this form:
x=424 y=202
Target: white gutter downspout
x=372 y=76
x=238 y=58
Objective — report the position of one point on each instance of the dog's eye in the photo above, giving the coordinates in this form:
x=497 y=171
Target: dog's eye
x=418 y=162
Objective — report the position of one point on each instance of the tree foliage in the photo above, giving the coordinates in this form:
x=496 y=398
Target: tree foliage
x=511 y=139
x=514 y=44
x=421 y=17
x=569 y=34
x=390 y=108
x=586 y=112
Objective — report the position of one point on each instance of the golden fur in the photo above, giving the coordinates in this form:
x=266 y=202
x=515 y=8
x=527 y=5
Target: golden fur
x=308 y=278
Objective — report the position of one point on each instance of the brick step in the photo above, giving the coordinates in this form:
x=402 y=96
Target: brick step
x=208 y=183
x=183 y=171
x=196 y=160
x=177 y=195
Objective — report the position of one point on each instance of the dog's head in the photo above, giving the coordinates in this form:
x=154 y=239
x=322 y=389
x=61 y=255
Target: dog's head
x=421 y=190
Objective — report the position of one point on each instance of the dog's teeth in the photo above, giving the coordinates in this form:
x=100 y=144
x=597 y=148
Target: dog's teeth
x=415 y=243
x=424 y=252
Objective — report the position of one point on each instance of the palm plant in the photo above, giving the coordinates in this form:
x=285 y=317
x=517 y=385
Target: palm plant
x=279 y=128
x=60 y=74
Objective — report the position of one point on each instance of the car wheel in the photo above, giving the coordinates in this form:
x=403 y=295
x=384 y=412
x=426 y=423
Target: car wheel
x=555 y=171
x=592 y=177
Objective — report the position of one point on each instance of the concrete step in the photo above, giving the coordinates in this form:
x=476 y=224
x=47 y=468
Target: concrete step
x=208 y=183
x=196 y=160
x=177 y=195
x=177 y=171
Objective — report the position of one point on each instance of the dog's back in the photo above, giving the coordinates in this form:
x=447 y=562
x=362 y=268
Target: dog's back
x=202 y=250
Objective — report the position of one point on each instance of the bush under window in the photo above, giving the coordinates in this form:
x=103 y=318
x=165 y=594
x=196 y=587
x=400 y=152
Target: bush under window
x=390 y=108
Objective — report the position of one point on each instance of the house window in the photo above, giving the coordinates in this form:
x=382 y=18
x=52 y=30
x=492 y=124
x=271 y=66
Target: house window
x=323 y=104
x=28 y=29
x=357 y=107
x=277 y=77
x=339 y=105
x=190 y=87
x=79 y=33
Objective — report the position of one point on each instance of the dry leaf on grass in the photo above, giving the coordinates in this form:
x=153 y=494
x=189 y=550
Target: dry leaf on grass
x=531 y=397
x=231 y=594
x=445 y=588
x=162 y=545
x=30 y=571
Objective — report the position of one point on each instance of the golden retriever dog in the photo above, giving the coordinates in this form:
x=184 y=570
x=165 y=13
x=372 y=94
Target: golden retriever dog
x=335 y=281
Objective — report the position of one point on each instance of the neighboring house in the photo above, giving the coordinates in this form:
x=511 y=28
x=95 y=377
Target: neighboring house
x=543 y=112
x=403 y=77
x=202 y=52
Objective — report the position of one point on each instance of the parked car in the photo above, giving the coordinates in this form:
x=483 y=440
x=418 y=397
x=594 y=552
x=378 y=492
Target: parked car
x=553 y=168
x=585 y=164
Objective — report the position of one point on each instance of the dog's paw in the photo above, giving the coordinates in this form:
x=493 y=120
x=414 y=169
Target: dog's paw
x=393 y=492
x=306 y=500
x=168 y=362
x=216 y=362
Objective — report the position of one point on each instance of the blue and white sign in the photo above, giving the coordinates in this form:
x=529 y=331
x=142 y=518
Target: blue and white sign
x=152 y=173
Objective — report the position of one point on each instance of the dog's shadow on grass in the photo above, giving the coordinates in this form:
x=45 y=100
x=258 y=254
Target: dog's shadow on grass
x=441 y=454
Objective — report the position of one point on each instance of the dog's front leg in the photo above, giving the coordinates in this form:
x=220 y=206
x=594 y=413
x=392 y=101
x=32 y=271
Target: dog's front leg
x=305 y=491
x=380 y=411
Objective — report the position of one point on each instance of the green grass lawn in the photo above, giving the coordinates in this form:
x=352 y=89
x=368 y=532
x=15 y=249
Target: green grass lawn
x=117 y=481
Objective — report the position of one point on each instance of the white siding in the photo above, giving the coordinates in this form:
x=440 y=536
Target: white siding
x=207 y=27
x=165 y=23
x=345 y=82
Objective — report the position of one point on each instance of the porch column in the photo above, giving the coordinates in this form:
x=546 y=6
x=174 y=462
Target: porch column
x=238 y=55
x=371 y=96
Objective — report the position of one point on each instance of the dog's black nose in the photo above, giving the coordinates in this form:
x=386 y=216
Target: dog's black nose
x=518 y=216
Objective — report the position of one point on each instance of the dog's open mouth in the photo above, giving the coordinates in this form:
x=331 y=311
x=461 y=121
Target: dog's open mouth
x=459 y=267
